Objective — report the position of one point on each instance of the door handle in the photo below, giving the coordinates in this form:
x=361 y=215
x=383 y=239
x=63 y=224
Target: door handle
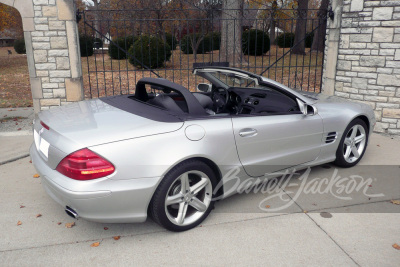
x=248 y=132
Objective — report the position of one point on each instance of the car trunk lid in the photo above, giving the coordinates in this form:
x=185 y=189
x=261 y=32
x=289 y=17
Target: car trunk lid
x=88 y=123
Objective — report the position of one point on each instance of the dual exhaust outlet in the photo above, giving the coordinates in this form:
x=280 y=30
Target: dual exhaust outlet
x=71 y=212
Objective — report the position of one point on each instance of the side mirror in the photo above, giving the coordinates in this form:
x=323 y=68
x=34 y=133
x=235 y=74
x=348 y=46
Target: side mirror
x=307 y=110
x=311 y=110
x=204 y=87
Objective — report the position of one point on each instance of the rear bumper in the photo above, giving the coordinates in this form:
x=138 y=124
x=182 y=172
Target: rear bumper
x=100 y=200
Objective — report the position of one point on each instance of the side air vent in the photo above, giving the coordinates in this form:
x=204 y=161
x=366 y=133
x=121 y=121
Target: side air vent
x=330 y=137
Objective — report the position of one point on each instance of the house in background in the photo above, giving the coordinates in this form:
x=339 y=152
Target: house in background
x=6 y=41
x=8 y=36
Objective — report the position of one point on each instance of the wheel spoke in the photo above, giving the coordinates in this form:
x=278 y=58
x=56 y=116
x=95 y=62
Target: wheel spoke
x=198 y=204
x=198 y=186
x=354 y=132
x=359 y=138
x=185 y=183
x=347 y=141
x=174 y=199
x=355 y=152
x=347 y=153
x=182 y=212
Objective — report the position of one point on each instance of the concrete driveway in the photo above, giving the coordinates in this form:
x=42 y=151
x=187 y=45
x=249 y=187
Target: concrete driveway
x=315 y=229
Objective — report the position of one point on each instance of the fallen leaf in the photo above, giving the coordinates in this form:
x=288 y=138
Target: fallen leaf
x=36 y=176
x=59 y=223
x=30 y=161
x=19 y=129
x=396 y=202
x=378 y=145
x=370 y=185
x=117 y=237
x=95 y=244
x=268 y=206
x=105 y=228
x=21 y=206
x=19 y=223
x=38 y=215
x=305 y=211
x=396 y=246
x=69 y=225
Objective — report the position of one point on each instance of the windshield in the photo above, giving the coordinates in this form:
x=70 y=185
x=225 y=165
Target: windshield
x=235 y=80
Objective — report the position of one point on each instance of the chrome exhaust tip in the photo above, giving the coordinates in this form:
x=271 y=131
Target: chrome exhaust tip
x=71 y=212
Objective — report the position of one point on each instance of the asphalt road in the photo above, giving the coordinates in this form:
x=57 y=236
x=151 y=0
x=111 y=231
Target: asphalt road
x=313 y=229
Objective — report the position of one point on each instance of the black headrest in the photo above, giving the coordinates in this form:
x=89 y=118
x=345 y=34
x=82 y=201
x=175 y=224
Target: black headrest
x=141 y=93
x=204 y=100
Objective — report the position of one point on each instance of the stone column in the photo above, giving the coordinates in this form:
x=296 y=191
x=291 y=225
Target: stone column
x=331 y=48
x=368 y=59
x=52 y=48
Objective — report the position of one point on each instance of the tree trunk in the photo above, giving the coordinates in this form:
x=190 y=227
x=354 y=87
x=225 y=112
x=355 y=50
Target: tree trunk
x=319 y=34
x=272 y=31
x=231 y=32
x=96 y=19
x=301 y=24
x=195 y=45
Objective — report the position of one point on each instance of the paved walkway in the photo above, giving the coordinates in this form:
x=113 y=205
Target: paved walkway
x=16 y=121
x=15 y=133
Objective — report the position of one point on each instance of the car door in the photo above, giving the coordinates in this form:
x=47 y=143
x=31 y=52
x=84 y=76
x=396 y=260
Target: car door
x=267 y=144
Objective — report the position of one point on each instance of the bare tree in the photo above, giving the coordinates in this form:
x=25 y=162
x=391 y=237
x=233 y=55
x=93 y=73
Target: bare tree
x=319 y=35
x=96 y=18
x=300 y=33
x=98 y=15
x=193 y=16
x=273 y=22
x=231 y=31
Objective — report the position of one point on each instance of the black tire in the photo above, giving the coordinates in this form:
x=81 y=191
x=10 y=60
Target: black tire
x=162 y=213
x=340 y=153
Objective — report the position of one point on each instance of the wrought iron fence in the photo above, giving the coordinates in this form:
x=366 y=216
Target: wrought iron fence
x=119 y=47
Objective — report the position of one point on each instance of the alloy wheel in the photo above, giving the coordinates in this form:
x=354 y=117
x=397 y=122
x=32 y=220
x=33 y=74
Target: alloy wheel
x=188 y=198
x=354 y=143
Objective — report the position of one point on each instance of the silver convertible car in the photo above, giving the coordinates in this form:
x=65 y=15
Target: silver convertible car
x=166 y=152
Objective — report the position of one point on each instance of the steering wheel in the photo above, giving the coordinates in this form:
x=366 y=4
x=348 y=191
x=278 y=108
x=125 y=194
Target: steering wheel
x=220 y=99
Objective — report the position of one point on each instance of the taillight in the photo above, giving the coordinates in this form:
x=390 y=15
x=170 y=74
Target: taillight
x=44 y=125
x=85 y=165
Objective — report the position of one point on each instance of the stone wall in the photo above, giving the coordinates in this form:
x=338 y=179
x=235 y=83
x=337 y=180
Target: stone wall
x=368 y=58
x=52 y=48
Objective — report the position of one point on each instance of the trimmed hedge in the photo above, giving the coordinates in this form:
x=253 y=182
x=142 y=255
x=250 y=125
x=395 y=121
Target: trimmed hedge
x=285 y=40
x=151 y=51
x=255 y=42
x=86 y=45
x=19 y=46
x=213 y=41
x=171 y=40
x=124 y=42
